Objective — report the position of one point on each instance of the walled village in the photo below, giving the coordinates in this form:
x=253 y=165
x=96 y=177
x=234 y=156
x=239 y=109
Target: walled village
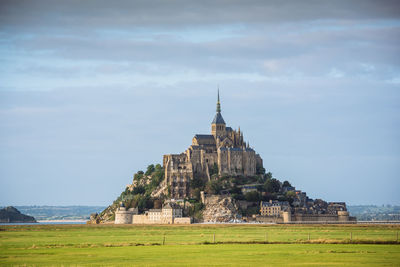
x=219 y=178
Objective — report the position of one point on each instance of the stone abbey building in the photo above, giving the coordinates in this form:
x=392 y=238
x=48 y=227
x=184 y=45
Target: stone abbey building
x=223 y=151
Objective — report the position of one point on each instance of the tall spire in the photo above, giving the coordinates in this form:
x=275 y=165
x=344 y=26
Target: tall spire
x=218 y=103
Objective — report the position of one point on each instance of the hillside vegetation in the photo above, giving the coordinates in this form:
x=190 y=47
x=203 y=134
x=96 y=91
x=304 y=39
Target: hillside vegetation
x=140 y=193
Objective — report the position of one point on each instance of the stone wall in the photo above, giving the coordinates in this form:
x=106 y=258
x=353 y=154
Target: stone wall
x=123 y=217
x=164 y=219
x=237 y=161
x=141 y=219
x=343 y=216
x=314 y=217
x=287 y=217
x=249 y=162
x=269 y=219
x=183 y=220
x=178 y=173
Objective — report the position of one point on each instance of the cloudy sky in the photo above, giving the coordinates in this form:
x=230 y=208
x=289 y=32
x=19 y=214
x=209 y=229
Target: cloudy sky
x=93 y=91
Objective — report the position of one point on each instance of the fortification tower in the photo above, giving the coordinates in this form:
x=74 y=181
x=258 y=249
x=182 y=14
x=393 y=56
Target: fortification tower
x=218 y=126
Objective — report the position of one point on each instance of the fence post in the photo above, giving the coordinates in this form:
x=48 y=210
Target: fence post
x=214 y=238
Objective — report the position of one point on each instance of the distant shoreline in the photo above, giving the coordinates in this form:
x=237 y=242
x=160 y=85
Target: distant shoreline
x=49 y=222
x=62 y=221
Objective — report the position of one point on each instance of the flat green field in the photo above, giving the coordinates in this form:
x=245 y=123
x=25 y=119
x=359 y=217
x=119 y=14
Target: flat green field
x=216 y=245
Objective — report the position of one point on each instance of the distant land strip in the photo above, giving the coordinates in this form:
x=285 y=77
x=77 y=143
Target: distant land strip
x=374 y=214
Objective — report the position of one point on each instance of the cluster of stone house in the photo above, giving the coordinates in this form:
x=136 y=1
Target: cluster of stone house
x=303 y=209
x=171 y=213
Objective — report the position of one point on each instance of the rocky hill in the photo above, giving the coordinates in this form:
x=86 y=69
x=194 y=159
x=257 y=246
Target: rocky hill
x=140 y=193
x=222 y=198
x=12 y=215
x=148 y=190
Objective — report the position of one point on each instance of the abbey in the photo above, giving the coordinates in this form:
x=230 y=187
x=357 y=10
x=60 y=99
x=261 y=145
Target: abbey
x=223 y=152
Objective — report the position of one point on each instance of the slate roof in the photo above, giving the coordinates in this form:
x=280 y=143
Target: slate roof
x=218 y=119
x=171 y=205
x=274 y=203
x=236 y=149
x=204 y=136
x=232 y=148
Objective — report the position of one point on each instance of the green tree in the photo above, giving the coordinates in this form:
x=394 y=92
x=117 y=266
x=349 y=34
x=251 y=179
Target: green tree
x=268 y=196
x=286 y=184
x=156 y=178
x=138 y=175
x=138 y=190
x=214 y=169
x=235 y=190
x=196 y=193
x=290 y=196
x=196 y=211
x=144 y=203
x=272 y=185
x=252 y=196
x=158 y=167
x=213 y=187
x=261 y=179
x=150 y=169
x=135 y=201
x=197 y=182
x=260 y=169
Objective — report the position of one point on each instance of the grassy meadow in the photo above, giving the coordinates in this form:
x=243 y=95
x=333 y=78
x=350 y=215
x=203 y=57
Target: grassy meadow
x=218 y=245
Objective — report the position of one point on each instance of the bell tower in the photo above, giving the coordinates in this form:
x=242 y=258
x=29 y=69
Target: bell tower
x=218 y=126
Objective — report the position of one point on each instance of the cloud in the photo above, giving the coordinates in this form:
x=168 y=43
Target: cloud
x=74 y=44
x=108 y=88
x=289 y=54
x=125 y=14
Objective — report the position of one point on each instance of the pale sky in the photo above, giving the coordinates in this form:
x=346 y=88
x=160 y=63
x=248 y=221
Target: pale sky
x=93 y=91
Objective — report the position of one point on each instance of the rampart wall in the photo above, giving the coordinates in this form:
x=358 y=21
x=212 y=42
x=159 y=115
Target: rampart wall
x=183 y=220
x=140 y=219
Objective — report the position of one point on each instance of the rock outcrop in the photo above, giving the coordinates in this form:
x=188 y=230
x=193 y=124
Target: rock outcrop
x=94 y=219
x=107 y=215
x=219 y=208
x=12 y=215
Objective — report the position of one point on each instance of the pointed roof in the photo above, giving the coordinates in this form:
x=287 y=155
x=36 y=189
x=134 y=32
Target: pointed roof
x=218 y=117
x=218 y=104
